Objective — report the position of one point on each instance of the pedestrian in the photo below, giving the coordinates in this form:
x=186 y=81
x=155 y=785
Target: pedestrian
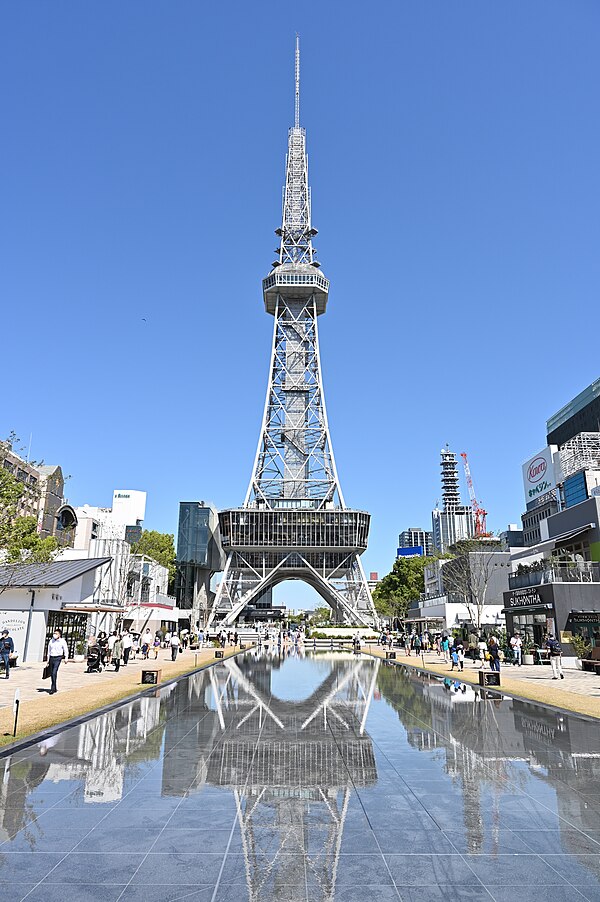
x=175 y=642
x=117 y=651
x=407 y=645
x=494 y=653
x=461 y=657
x=135 y=646
x=127 y=646
x=156 y=646
x=147 y=642
x=201 y=638
x=516 y=644
x=454 y=658
x=235 y=638
x=167 y=639
x=555 y=653
x=111 y=644
x=57 y=651
x=7 y=648
x=483 y=651
x=445 y=648
x=417 y=644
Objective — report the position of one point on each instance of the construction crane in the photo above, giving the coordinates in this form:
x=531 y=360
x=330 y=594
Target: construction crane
x=479 y=513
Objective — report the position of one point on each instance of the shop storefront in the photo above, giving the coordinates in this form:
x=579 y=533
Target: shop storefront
x=561 y=609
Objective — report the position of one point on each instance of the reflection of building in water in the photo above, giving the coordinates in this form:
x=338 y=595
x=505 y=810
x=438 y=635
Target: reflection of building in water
x=484 y=739
x=291 y=765
x=17 y=780
x=106 y=745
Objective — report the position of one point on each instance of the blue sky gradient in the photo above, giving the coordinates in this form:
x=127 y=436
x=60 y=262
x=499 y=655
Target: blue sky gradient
x=454 y=155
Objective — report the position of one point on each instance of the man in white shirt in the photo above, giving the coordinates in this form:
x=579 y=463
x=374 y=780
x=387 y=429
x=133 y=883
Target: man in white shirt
x=57 y=651
x=127 y=643
x=174 y=646
x=516 y=644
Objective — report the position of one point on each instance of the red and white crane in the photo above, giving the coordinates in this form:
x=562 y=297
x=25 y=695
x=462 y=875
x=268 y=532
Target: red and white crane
x=479 y=513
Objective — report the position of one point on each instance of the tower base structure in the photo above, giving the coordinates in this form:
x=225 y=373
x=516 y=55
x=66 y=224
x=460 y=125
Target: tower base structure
x=319 y=547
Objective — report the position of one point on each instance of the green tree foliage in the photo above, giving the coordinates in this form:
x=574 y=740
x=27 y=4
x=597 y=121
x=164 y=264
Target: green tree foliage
x=404 y=584
x=20 y=541
x=160 y=546
x=321 y=616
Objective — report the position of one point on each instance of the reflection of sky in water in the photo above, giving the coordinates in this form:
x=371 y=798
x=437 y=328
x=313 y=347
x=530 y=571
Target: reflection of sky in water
x=307 y=779
x=293 y=682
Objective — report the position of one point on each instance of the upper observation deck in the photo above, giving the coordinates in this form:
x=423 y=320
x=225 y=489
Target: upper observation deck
x=332 y=530
x=295 y=281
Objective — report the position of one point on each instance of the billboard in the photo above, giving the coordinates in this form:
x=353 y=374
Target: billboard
x=539 y=475
x=410 y=551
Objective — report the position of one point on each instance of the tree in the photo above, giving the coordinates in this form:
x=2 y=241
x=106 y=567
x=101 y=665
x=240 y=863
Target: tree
x=20 y=542
x=321 y=616
x=468 y=574
x=402 y=585
x=160 y=546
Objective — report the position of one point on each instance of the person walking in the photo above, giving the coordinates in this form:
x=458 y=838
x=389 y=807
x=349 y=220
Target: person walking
x=461 y=656
x=117 y=652
x=7 y=647
x=454 y=658
x=494 y=653
x=127 y=644
x=516 y=644
x=555 y=654
x=201 y=638
x=57 y=651
x=147 y=641
x=156 y=646
x=445 y=648
x=483 y=651
x=111 y=644
x=174 y=646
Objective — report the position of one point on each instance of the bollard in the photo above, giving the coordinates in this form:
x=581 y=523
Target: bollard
x=16 y=705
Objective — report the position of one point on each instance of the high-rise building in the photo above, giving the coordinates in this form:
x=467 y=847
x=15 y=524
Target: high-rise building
x=453 y=521
x=199 y=556
x=582 y=414
x=415 y=540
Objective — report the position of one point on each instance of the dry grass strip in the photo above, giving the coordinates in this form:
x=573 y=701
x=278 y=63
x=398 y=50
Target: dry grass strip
x=50 y=710
x=531 y=690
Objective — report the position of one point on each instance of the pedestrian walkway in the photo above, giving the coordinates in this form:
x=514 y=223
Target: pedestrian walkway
x=80 y=692
x=579 y=691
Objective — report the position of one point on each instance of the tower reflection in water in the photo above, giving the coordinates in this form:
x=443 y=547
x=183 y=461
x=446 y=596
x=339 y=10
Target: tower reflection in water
x=291 y=764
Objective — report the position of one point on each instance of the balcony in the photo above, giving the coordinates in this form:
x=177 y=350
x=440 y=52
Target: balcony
x=584 y=572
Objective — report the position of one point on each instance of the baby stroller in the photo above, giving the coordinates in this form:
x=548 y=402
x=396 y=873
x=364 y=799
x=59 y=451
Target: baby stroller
x=94 y=660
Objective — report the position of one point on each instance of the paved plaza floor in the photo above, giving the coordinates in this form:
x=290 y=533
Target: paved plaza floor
x=317 y=777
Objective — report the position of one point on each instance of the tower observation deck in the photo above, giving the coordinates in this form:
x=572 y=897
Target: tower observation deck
x=294 y=523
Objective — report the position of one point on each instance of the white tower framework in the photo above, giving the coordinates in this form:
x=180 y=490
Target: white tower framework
x=294 y=523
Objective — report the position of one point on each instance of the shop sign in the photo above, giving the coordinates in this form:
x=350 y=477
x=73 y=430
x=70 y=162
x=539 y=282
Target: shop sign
x=529 y=597
x=15 y=622
x=584 y=617
x=539 y=477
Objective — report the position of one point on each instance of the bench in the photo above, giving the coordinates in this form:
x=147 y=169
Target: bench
x=543 y=655
x=592 y=661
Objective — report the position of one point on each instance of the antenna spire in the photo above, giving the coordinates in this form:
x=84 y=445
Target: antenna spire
x=297 y=95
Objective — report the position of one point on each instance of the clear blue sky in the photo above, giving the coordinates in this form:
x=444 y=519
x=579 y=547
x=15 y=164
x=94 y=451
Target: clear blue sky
x=454 y=153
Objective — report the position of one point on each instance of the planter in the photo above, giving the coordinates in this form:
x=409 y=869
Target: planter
x=79 y=659
x=578 y=664
x=528 y=659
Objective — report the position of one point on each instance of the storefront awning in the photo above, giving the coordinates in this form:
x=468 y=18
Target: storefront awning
x=572 y=533
x=93 y=608
x=529 y=608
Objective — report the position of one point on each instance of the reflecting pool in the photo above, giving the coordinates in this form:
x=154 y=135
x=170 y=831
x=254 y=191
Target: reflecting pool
x=325 y=777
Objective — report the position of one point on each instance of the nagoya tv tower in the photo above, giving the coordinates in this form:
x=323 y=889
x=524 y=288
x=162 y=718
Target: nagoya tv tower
x=294 y=523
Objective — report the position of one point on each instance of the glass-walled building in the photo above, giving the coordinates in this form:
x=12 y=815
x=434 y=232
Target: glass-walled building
x=199 y=556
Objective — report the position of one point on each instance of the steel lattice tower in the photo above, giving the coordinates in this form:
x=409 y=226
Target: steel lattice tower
x=294 y=523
